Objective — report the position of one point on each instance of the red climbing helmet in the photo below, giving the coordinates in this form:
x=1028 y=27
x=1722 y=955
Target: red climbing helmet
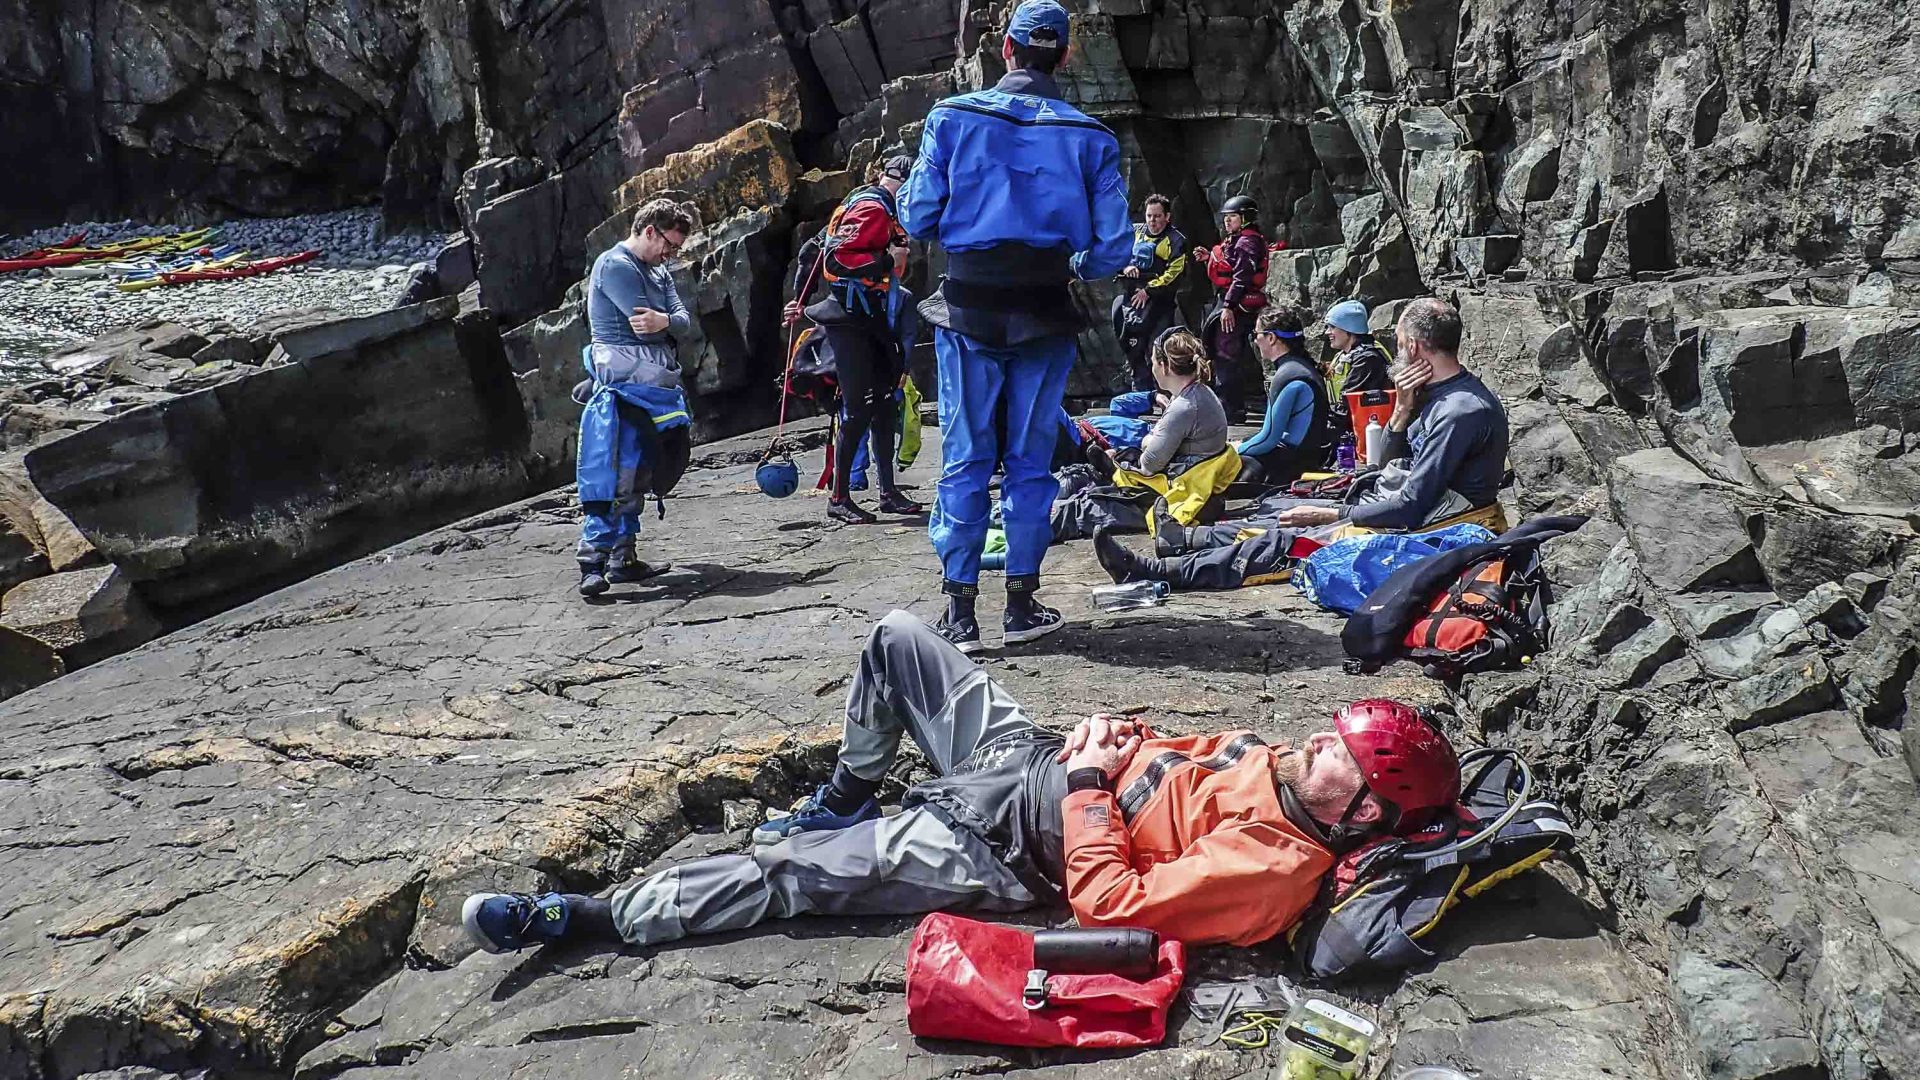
x=1405 y=758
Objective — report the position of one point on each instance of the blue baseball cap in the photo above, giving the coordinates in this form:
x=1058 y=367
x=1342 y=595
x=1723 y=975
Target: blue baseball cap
x=1043 y=19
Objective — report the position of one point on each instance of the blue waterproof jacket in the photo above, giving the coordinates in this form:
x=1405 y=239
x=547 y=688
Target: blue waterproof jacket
x=1017 y=165
x=1123 y=432
x=610 y=451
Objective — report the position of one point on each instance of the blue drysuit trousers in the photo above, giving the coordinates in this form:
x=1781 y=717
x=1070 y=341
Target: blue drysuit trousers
x=975 y=379
x=610 y=526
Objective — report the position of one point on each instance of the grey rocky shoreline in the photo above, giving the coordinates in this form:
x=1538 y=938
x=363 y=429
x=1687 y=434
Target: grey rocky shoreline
x=362 y=269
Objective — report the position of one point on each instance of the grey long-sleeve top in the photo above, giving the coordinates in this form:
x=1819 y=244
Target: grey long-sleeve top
x=620 y=282
x=1193 y=428
x=1458 y=442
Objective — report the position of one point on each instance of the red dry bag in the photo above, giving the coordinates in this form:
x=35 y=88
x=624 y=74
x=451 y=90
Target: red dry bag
x=968 y=980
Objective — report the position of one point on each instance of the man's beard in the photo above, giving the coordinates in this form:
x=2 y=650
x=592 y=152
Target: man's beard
x=1289 y=765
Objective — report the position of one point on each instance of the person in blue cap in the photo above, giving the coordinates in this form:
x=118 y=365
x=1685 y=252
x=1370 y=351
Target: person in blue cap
x=1024 y=193
x=1359 y=364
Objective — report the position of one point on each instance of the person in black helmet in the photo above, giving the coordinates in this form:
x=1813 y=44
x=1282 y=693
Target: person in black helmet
x=1237 y=265
x=860 y=257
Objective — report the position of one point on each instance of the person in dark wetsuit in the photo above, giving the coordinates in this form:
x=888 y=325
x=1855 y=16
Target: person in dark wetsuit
x=1294 y=436
x=860 y=256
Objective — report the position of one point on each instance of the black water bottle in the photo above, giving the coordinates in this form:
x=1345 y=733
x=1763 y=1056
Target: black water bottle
x=1133 y=953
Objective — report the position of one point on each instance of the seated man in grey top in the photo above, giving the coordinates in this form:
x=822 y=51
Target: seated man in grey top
x=1445 y=419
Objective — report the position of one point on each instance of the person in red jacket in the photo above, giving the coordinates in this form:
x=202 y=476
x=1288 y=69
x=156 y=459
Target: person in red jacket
x=859 y=257
x=1205 y=838
x=1237 y=266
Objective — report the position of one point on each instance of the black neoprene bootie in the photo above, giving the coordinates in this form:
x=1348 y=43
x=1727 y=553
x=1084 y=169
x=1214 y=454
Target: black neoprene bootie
x=959 y=625
x=593 y=571
x=1027 y=618
x=625 y=568
x=1170 y=537
x=1121 y=564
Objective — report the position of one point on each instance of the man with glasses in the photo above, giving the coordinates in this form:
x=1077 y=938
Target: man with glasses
x=633 y=398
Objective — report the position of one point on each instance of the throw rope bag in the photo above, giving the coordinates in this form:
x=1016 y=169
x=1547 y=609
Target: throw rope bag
x=1382 y=900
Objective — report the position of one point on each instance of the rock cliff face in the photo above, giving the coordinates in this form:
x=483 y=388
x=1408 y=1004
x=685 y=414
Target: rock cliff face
x=1686 y=244
x=149 y=107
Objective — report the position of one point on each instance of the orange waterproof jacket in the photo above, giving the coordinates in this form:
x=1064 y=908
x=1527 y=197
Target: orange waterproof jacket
x=1192 y=843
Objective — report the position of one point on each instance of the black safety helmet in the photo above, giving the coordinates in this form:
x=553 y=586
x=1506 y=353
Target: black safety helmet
x=897 y=167
x=1242 y=205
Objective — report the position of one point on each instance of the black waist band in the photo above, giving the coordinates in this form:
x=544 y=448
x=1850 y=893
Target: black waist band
x=1010 y=265
x=970 y=296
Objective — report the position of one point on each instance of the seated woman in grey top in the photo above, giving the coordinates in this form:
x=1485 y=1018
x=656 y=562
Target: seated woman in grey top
x=1194 y=427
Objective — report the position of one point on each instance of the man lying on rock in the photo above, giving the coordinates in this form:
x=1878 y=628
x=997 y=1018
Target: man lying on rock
x=1206 y=838
x=1445 y=419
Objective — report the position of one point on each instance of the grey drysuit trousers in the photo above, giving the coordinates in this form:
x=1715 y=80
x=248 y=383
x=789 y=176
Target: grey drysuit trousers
x=984 y=835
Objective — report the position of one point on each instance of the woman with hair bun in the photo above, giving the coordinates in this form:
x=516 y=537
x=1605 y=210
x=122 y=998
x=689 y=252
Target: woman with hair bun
x=1194 y=426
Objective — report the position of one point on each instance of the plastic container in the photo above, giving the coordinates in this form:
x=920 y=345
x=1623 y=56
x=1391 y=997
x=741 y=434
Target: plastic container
x=1343 y=458
x=1324 y=1042
x=1134 y=594
x=1365 y=406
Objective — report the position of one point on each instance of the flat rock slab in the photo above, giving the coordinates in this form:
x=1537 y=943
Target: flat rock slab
x=243 y=846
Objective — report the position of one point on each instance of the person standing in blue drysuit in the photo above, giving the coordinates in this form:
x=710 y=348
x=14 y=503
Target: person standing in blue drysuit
x=1024 y=192
x=633 y=429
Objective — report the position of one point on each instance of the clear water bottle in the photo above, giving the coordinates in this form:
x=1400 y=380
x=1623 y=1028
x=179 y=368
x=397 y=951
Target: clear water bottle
x=1343 y=457
x=1134 y=594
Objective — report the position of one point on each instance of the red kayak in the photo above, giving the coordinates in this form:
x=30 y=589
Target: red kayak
x=73 y=241
x=239 y=270
x=44 y=260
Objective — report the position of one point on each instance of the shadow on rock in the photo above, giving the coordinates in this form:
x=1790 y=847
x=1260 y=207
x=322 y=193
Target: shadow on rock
x=689 y=581
x=1203 y=643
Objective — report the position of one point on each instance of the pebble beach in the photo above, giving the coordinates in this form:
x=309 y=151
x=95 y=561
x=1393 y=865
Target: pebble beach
x=361 y=270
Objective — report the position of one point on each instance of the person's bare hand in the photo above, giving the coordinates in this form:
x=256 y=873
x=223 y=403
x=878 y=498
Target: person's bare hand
x=1101 y=742
x=647 y=321
x=1200 y=254
x=1131 y=271
x=1139 y=299
x=1410 y=381
x=1306 y=517
x=790 y=314
x=1226 y=319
